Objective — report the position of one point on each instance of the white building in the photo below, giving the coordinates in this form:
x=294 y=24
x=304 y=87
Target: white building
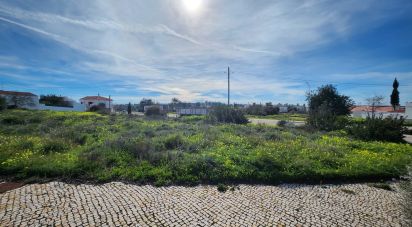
x=192 y=111
x=283 y=109
x=145 y=108
x=20 y=99
x=90 y=101
x=384 y=111
x=408 y=110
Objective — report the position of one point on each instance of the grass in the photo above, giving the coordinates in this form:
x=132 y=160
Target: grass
x=408 y=122
x=93 y=147
x=285 y=117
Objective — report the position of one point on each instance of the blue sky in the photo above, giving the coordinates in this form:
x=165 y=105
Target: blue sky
x=162 y=49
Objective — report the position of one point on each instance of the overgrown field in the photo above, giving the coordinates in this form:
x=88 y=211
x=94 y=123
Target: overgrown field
x=89 y=146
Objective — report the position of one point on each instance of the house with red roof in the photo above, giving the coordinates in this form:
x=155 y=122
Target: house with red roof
x=20 y=99
x=386 y=111
x=90 y=101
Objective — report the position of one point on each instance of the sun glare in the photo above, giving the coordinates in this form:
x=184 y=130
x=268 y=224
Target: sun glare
x=192 y=5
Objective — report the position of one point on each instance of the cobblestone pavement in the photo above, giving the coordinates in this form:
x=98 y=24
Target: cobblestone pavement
x=120 y=204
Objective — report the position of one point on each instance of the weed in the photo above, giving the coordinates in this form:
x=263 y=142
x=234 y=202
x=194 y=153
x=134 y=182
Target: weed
x=222 y=187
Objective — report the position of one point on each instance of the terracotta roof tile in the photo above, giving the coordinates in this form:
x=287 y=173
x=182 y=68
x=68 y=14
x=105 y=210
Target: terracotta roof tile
x=382 y=109
x=16 y=93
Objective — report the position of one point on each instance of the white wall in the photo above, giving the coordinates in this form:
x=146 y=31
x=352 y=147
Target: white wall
x=408 y=110
x=364 y=114
x=96 y=103
x=76 y=107
x=283 y=109
x=192 y=111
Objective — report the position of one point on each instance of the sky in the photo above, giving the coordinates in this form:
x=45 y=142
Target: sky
x=160 y=49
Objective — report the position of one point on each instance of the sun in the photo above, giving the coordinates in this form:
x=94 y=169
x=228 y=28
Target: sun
x=192 y=5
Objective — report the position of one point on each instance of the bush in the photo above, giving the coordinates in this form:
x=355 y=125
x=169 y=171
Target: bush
x=173 y=142
x=262 y=110
x=11 y=120
x=53 y=146
x=282 y=123
x=378 y=128
x=153 y=111
x=222 y=187
x=54 y=100
x=3 y=103
x=325 y=106
x=101 y=109
x=227 y=115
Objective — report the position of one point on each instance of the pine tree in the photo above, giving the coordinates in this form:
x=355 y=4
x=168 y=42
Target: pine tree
x=129 y=109
x=395 y=94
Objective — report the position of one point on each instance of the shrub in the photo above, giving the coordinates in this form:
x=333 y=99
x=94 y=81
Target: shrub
x=101 y=109
x=379 y=128
x=54 y=100
x=54 y=145
x=325 y=106
x=173 y=142
x=13 y=120
x=282 y=123
x=3 y=103
x=222 y=187
x=153 y=111
x=227 y=115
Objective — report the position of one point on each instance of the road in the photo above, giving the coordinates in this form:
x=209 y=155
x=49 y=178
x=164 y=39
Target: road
x=273 y=122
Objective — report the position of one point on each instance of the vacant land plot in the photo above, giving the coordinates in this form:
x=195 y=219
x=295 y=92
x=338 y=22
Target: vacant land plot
x=89 y=146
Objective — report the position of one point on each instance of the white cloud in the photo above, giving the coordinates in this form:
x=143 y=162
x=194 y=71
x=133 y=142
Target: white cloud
x=155 y=46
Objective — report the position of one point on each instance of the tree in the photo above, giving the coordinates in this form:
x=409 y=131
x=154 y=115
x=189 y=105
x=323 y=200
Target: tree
x=270 y=109
x=54 y=100
x=129 y=109
x=395 y=95
x=325 y=106
x=145 y=102
x=153 y=111
x=175 y=103
x=374 y=102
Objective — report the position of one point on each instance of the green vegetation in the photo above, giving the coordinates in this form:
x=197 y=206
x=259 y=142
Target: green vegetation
x=3 y=103
x=407 y=122
x=378 y=128
x=284 y=117
x=262 y=110
x=328 y=109
x=90 y=146
x=222 y=187
x=227 y=115
x=54 y=100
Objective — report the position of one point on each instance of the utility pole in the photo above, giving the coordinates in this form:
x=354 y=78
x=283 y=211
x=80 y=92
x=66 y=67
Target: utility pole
x=228 y=86
x=110 y=108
